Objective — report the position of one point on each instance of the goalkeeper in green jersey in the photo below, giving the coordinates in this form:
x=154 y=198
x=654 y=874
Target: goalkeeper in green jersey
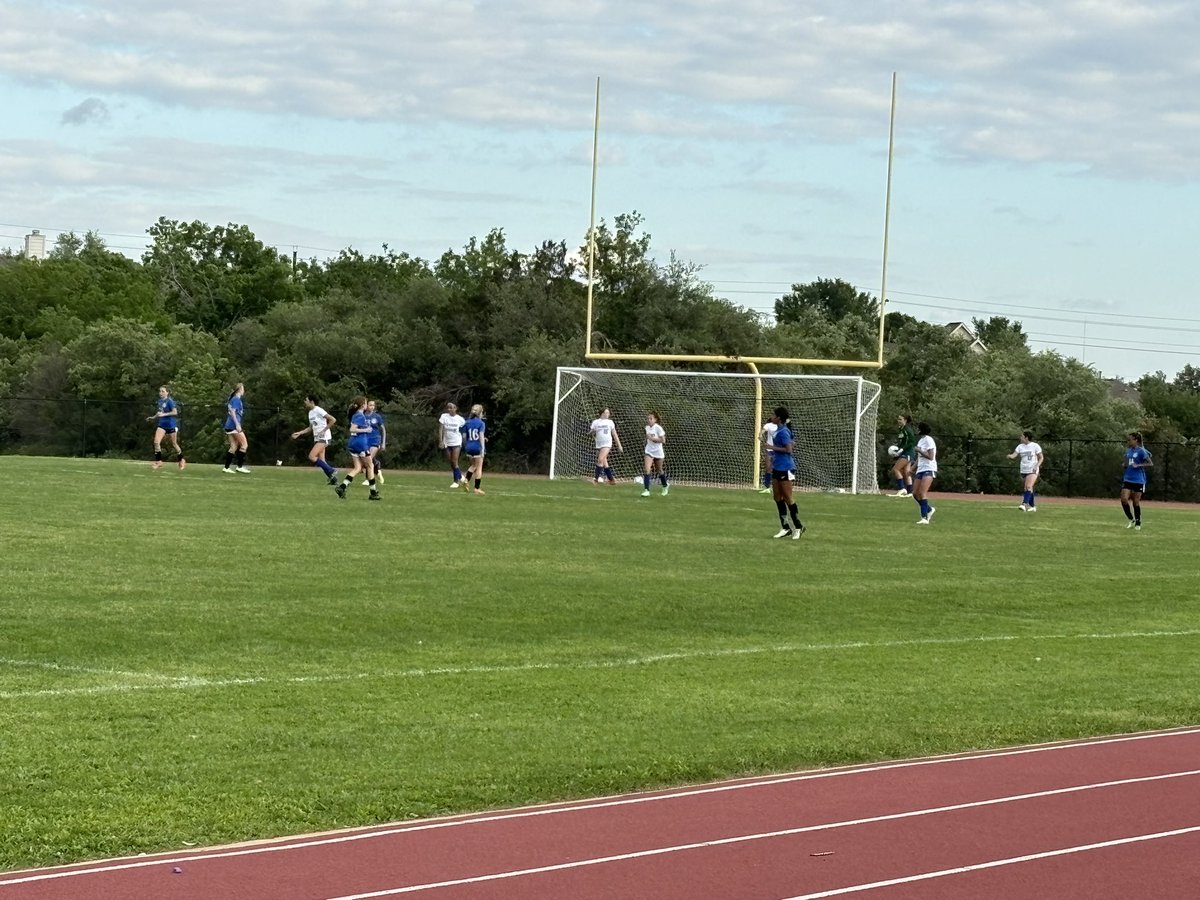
x=902 y=469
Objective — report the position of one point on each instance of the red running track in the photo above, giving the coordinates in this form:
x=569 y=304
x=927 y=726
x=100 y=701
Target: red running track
x=1114 y=817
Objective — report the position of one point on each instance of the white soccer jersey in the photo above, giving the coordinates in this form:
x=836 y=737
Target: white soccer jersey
x=451 y=436
x=924 y=464
x=320 y=427
x=653 y=449
x=603 y=430
x=768 y=434
x=1028 y=454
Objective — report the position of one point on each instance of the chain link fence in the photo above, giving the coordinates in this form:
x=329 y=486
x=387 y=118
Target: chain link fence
x=1073 y=467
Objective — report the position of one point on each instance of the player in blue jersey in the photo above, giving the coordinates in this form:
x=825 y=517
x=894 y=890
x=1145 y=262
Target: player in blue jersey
x=783 y=475
x=360 y=449
x=474 y=432
x=377 y=438
x=1133 y=485
x=235 y=456
x=166 y=417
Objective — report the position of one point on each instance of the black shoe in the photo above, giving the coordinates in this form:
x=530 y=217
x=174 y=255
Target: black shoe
x=340 y=490
x=374 y=496
x=333 y=480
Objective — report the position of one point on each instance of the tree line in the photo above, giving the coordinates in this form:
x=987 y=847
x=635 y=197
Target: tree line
x=207 y=306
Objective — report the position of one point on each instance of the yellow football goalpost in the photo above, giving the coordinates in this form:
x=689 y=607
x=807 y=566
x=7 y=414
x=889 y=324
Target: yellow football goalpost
x=752 y=362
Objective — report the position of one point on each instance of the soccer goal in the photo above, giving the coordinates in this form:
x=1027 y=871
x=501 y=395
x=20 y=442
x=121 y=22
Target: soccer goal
x=713 y=420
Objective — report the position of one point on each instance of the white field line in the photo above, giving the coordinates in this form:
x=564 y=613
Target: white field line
x=322 y=839
x=54 y=666
x=746 y=838
x=996 y=863
x=190 y=682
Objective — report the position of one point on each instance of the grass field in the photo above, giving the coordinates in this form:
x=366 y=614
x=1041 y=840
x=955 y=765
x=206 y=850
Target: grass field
x=190 y=658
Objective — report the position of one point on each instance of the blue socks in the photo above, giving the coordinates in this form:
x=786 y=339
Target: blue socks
x=326 y=468
x=599 y=473
x=457 y=474
x=663 y=479
x=1030 y=498
x=646 y=481
x=608 y=473
x=924 y=504
x=900 y=484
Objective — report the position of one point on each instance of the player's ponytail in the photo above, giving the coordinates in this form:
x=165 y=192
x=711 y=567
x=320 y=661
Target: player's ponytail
x=1137 y=436
x=1028 y=435
x=237 y=387
x=355 y=405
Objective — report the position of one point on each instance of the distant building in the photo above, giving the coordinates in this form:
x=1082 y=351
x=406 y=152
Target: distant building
x=35 y=245
x=963 y=332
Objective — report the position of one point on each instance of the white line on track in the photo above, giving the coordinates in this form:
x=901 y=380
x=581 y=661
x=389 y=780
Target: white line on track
x=746 y=838
x=194 y=682
x=996 y=863
x=303 y=842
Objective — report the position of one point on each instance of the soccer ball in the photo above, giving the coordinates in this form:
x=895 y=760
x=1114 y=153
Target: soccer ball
x=893 y=451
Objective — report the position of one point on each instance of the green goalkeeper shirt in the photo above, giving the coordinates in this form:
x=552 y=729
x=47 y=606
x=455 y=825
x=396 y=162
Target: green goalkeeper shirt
x=907 y=440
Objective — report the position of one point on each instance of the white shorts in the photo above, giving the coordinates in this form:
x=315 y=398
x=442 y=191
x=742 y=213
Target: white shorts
x=656 y=453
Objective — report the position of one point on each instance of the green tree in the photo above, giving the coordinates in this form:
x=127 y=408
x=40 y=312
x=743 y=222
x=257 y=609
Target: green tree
x=999 y=333
x=831 y=297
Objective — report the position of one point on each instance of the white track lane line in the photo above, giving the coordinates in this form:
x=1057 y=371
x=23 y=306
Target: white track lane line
x=306 y=842
x=997 y=863
x=746 y=838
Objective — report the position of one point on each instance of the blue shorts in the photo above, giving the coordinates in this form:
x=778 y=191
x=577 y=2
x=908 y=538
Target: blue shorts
x=359 y=448
x=929 y=475
x=473 y=449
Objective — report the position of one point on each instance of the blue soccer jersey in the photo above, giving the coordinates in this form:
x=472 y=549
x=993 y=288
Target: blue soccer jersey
x=472 y=432
x=236 y=406
x=782 y=460
x=360 y=441
x=375 y=438
x=168 y=421
x=1136 y=474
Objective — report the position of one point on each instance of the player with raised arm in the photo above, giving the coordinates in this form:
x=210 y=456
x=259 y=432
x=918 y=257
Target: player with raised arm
x=926 y=471
x=766 y=437
x=377 y=438
x=906 y=459
x=1031 y=456
x=783 y=475
x=655 y=454
x=449 y=438
x=1137 y=461
x=360 y=449
x=604 y=430
x=166 y=417
x=320 y=424
x=235 y=411
x=474 y=432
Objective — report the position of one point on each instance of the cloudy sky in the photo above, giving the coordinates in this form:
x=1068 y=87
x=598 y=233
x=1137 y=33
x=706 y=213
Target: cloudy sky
x=1047 y=157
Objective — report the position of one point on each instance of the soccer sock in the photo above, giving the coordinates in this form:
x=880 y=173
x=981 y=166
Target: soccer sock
x=899 y=484
x=908 y=487
x=228 y=460
x=766 y=479
x=241 y=458
x=783 y=514
x=349 y=480
x=1128 y=512
x=599 y=473
x=371 y=483
x=457 y=474
x=662 y=477
x=608 y=473
x=324 y=467
x=1137 y=513
x=1033 y=498
x=1025 y=499
x=478 y=481
x=157 y=455
x=646 y=481
x=792 y=508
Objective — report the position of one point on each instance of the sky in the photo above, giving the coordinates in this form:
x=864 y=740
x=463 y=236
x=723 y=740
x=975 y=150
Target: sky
x=1046 y=167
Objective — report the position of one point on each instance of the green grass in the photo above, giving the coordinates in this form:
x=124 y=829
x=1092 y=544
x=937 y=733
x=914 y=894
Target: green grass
x=200 y=658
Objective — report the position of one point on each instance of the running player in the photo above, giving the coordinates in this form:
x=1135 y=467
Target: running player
x=234 y=417
x=767 y=439
x=783 y=475
x=167 y=418
x=902 y=470
x=1137 y=461
x=655 y=454
x=359 y=446
x=320 y=423
x=604 y=429
x=926 y=471
x=449 y=438
x=377 y=438
x=475 y=444
x=1031 y=456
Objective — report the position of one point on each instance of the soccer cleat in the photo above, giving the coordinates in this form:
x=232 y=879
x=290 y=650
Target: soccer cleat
x=764 y=490
x=1130 y=525
x=932 y=510
x=666 y=487
x=479 y=492
x=1023 y=508
x=333 y=480
x=379 y=477
x=182 y=464
x=454 y=485
x=1031 y=509
x=645 y=493
x=923 y=521
x=227 y=470
x=242 y=469
x=1137 y=526
x=798 y=532
x=783 y=532
x=340 y=490
x=900 y=493
x=374 y=496
x=156 y=465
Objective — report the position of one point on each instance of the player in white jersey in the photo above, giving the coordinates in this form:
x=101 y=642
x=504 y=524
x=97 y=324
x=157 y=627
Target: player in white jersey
x=449 y=438
x=604 y=430
x=926 y=471
x=1031 y=456
x=320 y=424
x=767 y=438
x=655 y=455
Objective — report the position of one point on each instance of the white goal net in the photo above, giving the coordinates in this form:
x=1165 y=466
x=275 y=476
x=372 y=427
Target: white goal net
x=712 y=422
